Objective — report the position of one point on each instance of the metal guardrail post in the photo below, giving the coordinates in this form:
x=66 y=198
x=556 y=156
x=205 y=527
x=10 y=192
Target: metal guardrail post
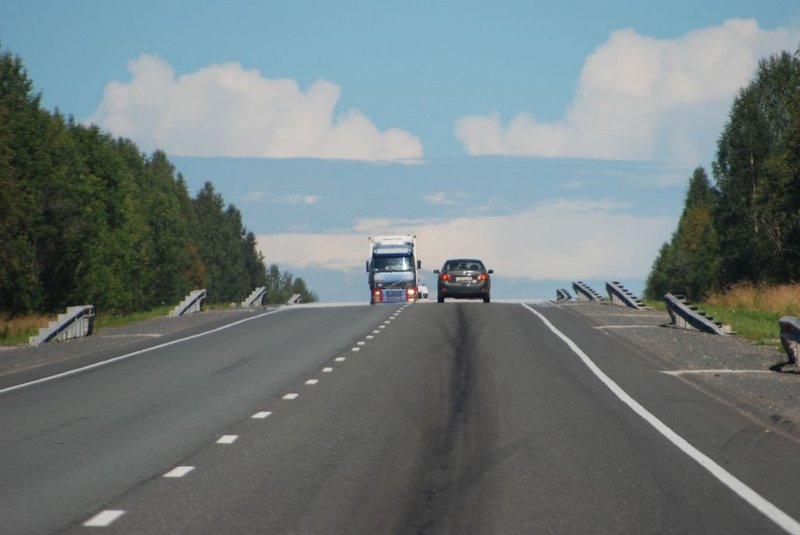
x=562 y=295
x=191 y=304
x=790 y=337
x=621 y=296
x=686 y=316
x=256 y=297
x=76 y=322
x=585 y=293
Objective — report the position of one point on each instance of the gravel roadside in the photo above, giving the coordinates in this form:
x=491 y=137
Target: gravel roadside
x=748 y=375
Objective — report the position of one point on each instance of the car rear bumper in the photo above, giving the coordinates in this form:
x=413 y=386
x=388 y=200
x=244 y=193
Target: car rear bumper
x=463 y=290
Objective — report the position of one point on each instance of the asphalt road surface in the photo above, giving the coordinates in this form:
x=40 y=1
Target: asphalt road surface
x=459 y=417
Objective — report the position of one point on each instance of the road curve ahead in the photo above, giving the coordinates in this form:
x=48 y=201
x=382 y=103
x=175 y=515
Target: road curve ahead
x=438 y=418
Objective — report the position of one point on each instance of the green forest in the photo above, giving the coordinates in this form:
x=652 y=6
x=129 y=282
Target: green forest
x=744 y=227
x=86 y=218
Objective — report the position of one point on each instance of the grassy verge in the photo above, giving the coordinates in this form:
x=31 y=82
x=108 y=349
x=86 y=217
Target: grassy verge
x=760 y=327
x=18 y=330
x=118 y=320
x=753 y=310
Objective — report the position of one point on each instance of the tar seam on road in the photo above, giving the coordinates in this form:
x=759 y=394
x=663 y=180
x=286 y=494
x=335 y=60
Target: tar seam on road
x=760 y=503
x=133 y=354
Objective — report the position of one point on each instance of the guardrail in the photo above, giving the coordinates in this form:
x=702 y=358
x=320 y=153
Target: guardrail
x=622 y=296
x=191 y=304
x=76 y=322
x=687 y=316
x=584 y=292
x=256 y=297
x=790 y=337
x=562 y=295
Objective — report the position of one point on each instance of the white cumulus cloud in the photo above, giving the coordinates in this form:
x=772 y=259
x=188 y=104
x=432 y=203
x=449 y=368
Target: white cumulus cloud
x=641 y=98
x=226 y=110
x=555 y=240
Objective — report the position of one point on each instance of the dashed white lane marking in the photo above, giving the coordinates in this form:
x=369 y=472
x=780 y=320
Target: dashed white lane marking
x=387 y=322
x=340 y=359
x=312 y=381
x=227 y=439
x=261 y=415
x=381 y=326
x=376 y=331
x=370 y=337
x=356 y=349
x=104 y=518
x=179 y=471
x=361 y=343
x=327 y=370
x=757 y=501
x=291 y=396
x=716 y=372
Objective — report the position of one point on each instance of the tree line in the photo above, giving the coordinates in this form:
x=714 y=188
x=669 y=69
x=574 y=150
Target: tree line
x=745 y=226
x=86 y=218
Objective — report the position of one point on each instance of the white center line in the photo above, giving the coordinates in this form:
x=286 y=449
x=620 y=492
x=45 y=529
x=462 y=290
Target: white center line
x=261 y=415
x=227 y=439
x=757 y=501
x=104 y=518
x=291 y=396
x=179 y=471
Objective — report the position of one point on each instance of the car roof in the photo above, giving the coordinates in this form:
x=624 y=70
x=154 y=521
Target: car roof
x=463 y=260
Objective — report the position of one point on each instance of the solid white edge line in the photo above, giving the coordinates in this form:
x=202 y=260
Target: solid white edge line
x=133 y=354
x=103 y=519
x=760 y=503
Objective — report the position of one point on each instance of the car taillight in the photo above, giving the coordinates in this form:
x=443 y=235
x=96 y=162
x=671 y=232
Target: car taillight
x=410 y=294
x=445 y=277
x=376 y=295
x=483 y=277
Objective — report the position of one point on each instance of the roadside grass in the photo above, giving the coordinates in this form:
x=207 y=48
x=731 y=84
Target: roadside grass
x=16 y=331
x=760 y=327
x=751 y=310
x=118 y=320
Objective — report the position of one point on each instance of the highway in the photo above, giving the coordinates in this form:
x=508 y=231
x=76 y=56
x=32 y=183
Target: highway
x=460 y=417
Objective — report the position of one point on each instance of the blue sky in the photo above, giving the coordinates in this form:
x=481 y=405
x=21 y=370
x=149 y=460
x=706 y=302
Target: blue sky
x=554 y=139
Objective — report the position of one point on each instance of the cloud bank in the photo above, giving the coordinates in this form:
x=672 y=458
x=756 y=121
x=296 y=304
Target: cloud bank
x=641 y=98
x=226 y=110
x=557 y=240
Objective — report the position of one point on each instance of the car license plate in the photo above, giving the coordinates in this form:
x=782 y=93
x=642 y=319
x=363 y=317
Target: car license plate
x=463 y=279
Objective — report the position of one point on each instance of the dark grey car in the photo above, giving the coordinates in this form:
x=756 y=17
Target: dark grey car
x=464 y=278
